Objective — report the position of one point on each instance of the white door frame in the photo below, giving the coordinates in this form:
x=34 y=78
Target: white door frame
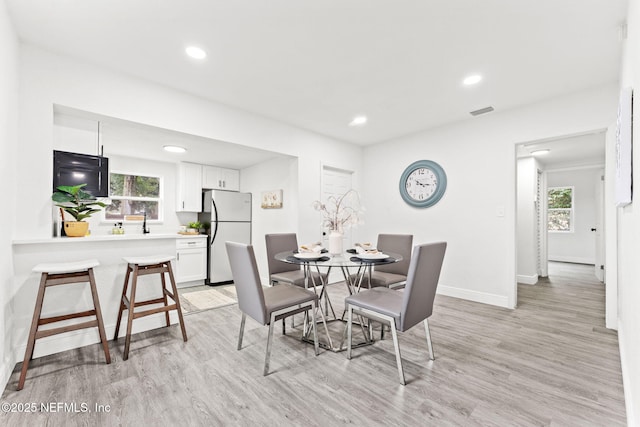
x=600 y=260
x=610 y=231
x=543 y=233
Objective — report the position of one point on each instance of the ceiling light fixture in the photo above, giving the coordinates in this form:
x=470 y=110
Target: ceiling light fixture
x=174 y=149
x=471 y=80
x=358 y=121
x=540 y=152
x=195 y=52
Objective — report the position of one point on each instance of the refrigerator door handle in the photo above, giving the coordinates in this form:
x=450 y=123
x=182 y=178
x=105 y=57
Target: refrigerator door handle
x=215 y=220
x=215 y=232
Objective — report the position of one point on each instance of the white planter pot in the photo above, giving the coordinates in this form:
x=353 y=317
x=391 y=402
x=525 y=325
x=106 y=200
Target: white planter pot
x=335 y=243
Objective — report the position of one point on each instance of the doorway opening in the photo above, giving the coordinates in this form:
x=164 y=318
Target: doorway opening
x=572 y=168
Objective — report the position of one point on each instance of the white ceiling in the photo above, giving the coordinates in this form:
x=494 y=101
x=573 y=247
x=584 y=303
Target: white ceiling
x=315 y=65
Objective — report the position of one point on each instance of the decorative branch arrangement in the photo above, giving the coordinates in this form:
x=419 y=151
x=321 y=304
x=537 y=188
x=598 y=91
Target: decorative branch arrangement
x=340 y=212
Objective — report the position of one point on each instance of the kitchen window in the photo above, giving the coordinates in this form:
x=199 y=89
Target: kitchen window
x=560 y=209
x=133 y=195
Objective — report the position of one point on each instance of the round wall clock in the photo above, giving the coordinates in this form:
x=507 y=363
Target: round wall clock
x=423 y=183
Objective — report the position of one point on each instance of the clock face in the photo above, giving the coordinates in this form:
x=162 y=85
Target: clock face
x=423 y=183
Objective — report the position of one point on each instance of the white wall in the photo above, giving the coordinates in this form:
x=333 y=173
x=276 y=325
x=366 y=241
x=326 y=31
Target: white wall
x=629 y=236
x=527 y=248
x=48 y=79
x=277 y=174
x=8 y=181
x=477 y=213
x=579 y=245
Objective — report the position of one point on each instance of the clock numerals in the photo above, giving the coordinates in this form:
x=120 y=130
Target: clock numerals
x=421 y=184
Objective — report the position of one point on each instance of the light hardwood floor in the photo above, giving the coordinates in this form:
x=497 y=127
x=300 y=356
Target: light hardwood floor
x=550 y=362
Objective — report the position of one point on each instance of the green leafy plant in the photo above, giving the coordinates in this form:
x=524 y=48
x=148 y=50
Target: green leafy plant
x=75 y=201
x=196 y=224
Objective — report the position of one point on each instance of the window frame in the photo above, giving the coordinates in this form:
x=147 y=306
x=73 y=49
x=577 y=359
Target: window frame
x=159 y=199
x=572 y=214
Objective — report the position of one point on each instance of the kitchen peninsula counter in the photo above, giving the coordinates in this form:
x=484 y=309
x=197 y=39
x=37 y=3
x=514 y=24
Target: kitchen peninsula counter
x=109 y=250
x=107 y=238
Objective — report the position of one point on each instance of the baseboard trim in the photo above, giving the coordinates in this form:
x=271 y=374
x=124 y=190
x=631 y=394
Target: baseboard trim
x=467 y=294
x=632 y=418
x=528 y=280
x=573 y=259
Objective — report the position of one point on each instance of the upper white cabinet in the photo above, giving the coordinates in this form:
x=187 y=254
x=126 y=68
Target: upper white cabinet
x=215 y=178
x=189 y=187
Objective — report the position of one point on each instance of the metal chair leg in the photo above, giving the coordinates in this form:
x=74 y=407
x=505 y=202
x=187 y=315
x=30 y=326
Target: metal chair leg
x=240 y=335
x=397 y=349
x=313 y=325
x=349 y=331
x=429 y=344
x=269 y=339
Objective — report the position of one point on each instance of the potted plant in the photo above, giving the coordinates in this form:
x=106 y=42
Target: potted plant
x=77 y=203
x=194 y=227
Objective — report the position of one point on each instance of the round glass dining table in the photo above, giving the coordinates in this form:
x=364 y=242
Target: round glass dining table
x=363 y=264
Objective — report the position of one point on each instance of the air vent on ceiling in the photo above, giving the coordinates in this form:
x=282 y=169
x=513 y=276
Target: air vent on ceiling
x=481 y=111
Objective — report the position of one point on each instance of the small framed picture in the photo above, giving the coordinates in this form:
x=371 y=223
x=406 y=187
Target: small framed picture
x=271 y=199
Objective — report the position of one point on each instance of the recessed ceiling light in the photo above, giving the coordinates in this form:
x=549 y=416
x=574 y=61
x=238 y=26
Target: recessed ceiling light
x=195 y=52
x=358 y=121
x=174 y=149
x=540 y=152
x=471 y=80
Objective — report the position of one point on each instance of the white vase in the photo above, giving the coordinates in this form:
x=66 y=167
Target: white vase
x=335 y=242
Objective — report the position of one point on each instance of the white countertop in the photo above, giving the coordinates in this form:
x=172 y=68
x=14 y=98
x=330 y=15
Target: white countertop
x=108 y=238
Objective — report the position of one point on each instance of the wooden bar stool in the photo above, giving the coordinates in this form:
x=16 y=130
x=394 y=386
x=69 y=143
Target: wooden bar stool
x=140 y=266
x=54 y=274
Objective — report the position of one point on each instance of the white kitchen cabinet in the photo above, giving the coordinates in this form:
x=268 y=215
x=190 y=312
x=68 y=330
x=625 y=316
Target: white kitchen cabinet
x=216 y=178
x=191 y=259
x=189 y=187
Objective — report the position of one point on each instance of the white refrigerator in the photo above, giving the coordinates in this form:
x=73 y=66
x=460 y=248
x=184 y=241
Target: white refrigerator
x=229 y=213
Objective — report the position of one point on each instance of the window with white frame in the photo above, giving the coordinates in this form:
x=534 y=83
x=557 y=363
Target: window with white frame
x=560 y=209
x=132 y=196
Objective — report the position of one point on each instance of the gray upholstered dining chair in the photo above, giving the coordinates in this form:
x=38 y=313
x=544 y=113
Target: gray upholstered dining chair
x=402 y=310
x=283 y=272
x=394 y=274
x=266 y=305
